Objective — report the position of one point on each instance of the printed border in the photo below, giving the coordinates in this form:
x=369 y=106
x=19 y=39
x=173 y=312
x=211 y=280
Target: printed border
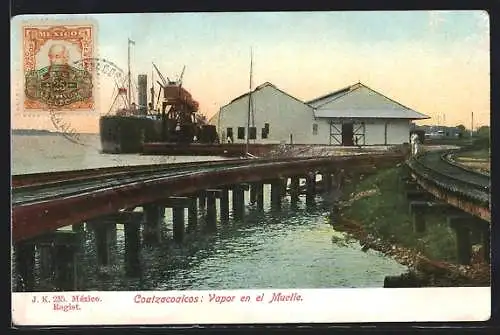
x=362 y=305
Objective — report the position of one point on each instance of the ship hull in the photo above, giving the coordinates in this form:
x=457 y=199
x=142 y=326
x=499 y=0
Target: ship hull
x=125 y=134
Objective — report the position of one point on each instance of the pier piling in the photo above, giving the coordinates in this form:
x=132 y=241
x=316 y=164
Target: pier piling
x=202 y=199
x=178 y=205
x=57 y=252
x=211 y=216
x=238 y=201
x=417 y=211
x=294 y=189
x=284 y=182
x=310 y=188
x=326 y=178
x=224 y=204
x=276 y=192
x=192 y=214
x=66 y=267
x=105 y=238
x=45 y=260
x=460 y=224
x=153 y=218
x=178 y=223
x=259 y=195
x=132 y=246
x=253 y=193
x=25 y=261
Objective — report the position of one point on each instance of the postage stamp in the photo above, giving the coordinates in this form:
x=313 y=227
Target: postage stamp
x=49 y=77
x=340 y=215
x=101 y=69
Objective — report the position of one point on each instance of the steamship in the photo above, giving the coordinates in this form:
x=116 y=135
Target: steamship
x=173 y=120
x=129 y=127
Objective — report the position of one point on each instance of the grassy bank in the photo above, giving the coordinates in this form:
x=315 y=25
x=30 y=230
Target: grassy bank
x=379 y=204
x=483 y=154
x=477 y=160
x=375 y=211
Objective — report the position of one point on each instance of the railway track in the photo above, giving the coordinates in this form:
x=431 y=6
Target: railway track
x=451 y=158
x=437 y=167
x=47 y=178
x=86 y=183
x=61 y=178
x=39 y=208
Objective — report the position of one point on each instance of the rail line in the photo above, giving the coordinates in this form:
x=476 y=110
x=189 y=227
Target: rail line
x=460 y=187
x=39 y=193
x=43 y=179
x=87 y=183
x=450 y=158
x=40 y=208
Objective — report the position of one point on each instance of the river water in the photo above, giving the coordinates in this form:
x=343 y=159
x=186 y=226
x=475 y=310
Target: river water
x=293 y=248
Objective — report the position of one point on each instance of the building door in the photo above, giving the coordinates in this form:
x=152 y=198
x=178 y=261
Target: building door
x=359 y=133
x=335 y=134
x=347 y=134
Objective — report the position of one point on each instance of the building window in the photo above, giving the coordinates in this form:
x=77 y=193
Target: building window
x=315 y=129
x=264 y=133
x=241 y=133
x=230 y=133
x=252 y=133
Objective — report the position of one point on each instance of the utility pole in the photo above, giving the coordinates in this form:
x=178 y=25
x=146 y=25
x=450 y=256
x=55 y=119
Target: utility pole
x=472 y=123
x=130 y=42
x=249 y=102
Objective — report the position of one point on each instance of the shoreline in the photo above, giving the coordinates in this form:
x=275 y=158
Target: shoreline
x=428 y=271
x=371 y=211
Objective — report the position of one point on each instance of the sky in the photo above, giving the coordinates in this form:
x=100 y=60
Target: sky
x=435 y=62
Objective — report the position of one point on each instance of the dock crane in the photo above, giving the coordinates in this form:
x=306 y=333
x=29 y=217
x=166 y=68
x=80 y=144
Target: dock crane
x=178 y=112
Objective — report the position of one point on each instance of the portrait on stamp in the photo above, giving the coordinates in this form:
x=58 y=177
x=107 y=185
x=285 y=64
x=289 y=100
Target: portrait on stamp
x=50 y=77
x=231 y=168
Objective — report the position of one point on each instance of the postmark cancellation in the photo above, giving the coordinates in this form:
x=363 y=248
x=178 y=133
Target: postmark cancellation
x=51 y=79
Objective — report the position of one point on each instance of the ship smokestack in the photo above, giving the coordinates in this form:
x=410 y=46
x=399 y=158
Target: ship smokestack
x=142 y=83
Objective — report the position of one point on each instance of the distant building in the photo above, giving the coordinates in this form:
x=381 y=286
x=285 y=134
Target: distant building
x=437 y=132
x=353 y=115
x=275 y=117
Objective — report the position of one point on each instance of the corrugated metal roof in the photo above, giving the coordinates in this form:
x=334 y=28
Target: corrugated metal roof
x=341 y=98
x=266 y=84
x=399 y=113
x=255 y=90
x=324 y=99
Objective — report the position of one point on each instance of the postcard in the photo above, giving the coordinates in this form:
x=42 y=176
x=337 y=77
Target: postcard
x=250 y=167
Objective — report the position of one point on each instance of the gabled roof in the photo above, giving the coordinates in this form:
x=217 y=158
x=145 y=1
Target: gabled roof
x=325 y=106
x=260 y=87
x=370 y=114
x=331 y=96
x=212 y=118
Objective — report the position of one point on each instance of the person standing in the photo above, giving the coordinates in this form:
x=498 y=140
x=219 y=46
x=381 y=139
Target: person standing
x=414 y=140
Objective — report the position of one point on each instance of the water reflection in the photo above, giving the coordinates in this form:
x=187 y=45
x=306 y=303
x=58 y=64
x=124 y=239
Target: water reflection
x=295 y=247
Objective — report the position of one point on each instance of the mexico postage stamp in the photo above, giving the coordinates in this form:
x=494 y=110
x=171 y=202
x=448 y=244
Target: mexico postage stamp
x=49 y=77
x=325 y=216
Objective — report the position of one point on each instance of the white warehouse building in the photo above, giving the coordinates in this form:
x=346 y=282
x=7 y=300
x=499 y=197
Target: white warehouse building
x=353 y=115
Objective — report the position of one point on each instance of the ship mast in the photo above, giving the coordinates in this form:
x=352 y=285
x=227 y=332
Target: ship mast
x=249 y=102
x=152 y=92
x=130 y=42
